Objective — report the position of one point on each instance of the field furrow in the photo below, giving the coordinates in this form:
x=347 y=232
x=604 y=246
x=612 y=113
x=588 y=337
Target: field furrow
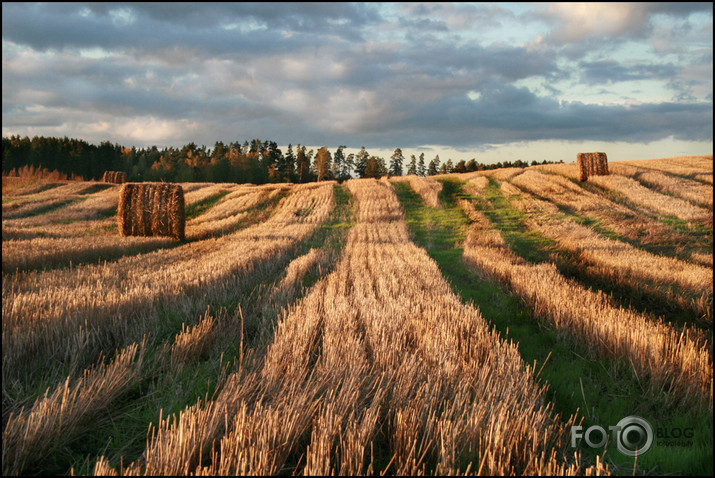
x=694 y=191
x=63 y=312
x=632 y=225
x=667 y=360
x=462 y=323
x=616 y=260
x=380 y=355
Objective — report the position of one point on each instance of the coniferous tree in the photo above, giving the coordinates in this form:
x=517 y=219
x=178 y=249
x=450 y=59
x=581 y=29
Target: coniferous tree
x=289 y=165
x=412 y=167
x=349 y=167
x=342 y=165
x=302 y=164
x=382 y=167
x=433 y=167
x=421 y=169
x=361 y=162
x=337 y=163
x=396 y=163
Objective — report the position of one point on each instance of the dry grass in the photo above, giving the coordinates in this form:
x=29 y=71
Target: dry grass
x=623 y=220
x=427 y=188
x=31 y=435
x=380 y=353
x=690 y=166
x=46 y=310
x=665 y=361
x=661 y=203
x=231 y=210
x=693 y=191
x=615 y=258
x=378 y=369
x=18 y=180
x=26 y=204
x=38 y=253
x=502 y=174
x=192 y=343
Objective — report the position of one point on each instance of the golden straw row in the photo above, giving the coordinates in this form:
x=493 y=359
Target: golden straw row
x=624 y=221
x=381 y=336
x=427 y=188
x=654 y=201
x=693 y=191
x=614 y=257
x=231 y=210
x=695 y=167
x=30 y=436
x=98 y=238
x=17 y=207
x=666 y=361
x=68 y=312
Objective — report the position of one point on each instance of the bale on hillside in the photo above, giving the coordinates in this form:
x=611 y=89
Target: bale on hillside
x=151 y=209
x=591 y=164
x=115 y=177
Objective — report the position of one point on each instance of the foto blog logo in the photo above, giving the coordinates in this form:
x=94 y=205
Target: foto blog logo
x=633 y=436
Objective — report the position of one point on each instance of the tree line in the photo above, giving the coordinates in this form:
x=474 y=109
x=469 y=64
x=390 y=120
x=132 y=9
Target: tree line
x=256 y=162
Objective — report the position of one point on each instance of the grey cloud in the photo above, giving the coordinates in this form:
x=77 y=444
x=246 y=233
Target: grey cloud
x=611 y=71
x=199 y=26
x=507 y=114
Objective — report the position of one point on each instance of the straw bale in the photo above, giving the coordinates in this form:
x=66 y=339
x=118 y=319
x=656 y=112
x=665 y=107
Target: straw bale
x=115 y=177
x=151 y=209
x=592 y=164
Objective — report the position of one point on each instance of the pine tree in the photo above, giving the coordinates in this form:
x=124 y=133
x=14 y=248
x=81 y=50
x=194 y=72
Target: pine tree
x=349 y=167
x=302 y=163
x=338 y=163
x=412 y=168
x=433 y=167
x=396 y=163
x=421 y=170
x=288 y=169
x=361 y=162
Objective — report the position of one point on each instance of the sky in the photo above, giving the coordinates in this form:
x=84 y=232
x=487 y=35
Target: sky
x=490 y=81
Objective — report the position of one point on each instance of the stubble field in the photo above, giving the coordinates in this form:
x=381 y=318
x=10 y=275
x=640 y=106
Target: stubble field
x=455 y=324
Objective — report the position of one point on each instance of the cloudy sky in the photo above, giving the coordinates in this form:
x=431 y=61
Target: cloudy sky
x=490 y=81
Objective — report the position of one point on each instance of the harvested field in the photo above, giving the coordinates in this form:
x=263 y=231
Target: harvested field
x=409 y=326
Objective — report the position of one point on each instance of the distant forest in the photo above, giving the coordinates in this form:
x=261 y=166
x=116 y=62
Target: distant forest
x=256 y=162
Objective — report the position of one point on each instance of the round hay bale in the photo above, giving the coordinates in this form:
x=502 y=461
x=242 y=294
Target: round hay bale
x=151 y=209
x=591 y=164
